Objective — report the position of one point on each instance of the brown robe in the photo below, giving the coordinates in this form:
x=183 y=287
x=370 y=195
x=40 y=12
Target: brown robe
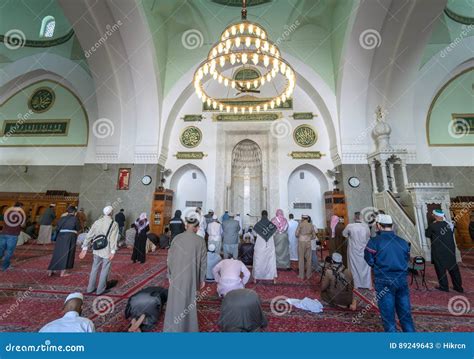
x=187 y=265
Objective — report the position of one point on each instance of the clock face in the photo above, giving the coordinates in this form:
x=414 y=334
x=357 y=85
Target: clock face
x=146 y=180
x=354 y=182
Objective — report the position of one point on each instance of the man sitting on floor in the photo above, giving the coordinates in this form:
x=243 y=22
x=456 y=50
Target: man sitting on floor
x=148 y=302
x=241 y=311
x=71 y=322
x=337 y=284
x=227 y=274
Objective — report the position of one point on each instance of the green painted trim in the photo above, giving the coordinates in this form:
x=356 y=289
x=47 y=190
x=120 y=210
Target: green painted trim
x=13 y=128
x=287 y=105
x=306 y=155
x=258 y=117
x=466 y=20
x=39 y=43
x=192 y=118
x=303 y=115
x=190 y=155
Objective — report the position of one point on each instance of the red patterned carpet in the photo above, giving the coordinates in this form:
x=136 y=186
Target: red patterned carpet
x=29 y=298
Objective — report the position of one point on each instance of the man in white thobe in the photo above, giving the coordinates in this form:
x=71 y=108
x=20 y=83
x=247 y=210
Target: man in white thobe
x=214 y=230
x=358 y=234
x=71 y=322
x=202 y=223
x=292 y=225
x=227 y=274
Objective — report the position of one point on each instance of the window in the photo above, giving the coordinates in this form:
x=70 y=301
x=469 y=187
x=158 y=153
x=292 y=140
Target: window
x=47 y=26
x=302 y=175
x=194 y=175
x=194 y=204
x=302 y=205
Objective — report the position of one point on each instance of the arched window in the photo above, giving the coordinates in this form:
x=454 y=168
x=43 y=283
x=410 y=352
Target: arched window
x=47 y=26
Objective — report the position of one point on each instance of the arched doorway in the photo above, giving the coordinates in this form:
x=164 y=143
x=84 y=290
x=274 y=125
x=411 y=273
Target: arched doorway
x=189 y=184
x=306 y=187
x=246 y=196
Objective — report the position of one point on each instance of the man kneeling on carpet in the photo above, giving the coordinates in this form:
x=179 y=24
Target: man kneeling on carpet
x=337 y=284
x=71 y=322
x=144 y=308
x=230 y=274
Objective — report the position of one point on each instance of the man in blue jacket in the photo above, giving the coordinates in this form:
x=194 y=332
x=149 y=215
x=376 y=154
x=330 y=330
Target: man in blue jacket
x=388 y=255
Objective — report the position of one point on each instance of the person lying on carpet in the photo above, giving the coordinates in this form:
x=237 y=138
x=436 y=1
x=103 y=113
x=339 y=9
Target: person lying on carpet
x=337 y=284
x=71 y=322
x=241 y=311
x=148 y=302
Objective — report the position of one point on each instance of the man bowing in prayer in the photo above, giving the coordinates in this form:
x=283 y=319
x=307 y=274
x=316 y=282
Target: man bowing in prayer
x=443 y=252
x=187 y=265
x=358 y=234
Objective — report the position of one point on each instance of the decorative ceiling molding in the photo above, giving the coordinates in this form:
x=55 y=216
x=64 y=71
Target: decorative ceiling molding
x=238 y=3
x=13 y=40
x=466 y=20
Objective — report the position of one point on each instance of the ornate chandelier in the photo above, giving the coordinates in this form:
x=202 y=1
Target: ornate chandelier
x=245 y=44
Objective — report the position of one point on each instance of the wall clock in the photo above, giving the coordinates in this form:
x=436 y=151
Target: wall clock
x=305 y=135
x=41 y=100
x=191 y=137
x=146 y=180
x=354 y=182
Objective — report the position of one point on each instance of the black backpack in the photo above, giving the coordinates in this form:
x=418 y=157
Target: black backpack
x=100 y=241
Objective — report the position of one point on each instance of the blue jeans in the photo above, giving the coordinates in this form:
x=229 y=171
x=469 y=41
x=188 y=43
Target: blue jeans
x=7 y=247
x=394 y=296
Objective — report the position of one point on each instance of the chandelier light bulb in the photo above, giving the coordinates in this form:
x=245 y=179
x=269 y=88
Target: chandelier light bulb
x=221 y=107
x=233 y=30
x=266 y=61
x=276 y=63
x=227 y=109
x=226 y=34
x=222 y=61
x=247 y=42
x=262 y=81
x=235 y=109
x=265 y=107
x=220 y=79
x=243 y=110
x=278 y=101
x=228 y=44
x=241 y=28
x=219 y=48
x=257 y=43
x=232 y=59
x=208 y=102
x=251 y=28
x=214 y=75
x=232 y=84
x=258 y=31
x=250 y=110
x=214 y=52
x=244 y=58
x=255 y=59
x=272 y=50
x=255 y=83
x=263 y=36
x=272 y=104
x=269 y=77
x=237 y=42
x=226 y=82
x=214 y=105
x=205 y=69
x=247 y=85
x=258 y=108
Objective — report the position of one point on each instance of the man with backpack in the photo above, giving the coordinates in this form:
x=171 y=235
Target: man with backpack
x=104 y=237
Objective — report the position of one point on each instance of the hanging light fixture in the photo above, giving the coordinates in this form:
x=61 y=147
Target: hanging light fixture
x=240 y=44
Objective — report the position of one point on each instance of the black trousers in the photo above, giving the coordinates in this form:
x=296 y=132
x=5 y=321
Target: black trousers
x=454 y=273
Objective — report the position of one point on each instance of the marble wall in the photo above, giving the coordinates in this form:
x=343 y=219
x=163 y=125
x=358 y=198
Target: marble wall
x=40 y=178
x=98 y=189
x=360 y=197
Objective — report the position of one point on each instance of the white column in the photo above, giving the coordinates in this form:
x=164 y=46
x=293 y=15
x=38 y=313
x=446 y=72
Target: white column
x=383 y=164
x=419 y=218
x=404 y=172
x=392 y=174
x=374 y=177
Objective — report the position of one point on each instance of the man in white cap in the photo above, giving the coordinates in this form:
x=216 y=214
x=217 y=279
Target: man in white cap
x=71 y=322
x=214 y=231
x=187 y=264
x=337 y=284
x=443 y=252
x=230 y=274
x=103 y=250
x=46 y=225
x=388 y=255
x=212 y=259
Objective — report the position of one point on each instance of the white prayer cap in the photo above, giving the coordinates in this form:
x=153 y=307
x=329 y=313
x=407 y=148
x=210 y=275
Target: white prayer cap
x=210 y=211
x=336 y=257
x=211 y=247
x=74 y=296
x=192 y=219
x=52 y=205
x=438 y=213
x=108 y=210
x=384 y=219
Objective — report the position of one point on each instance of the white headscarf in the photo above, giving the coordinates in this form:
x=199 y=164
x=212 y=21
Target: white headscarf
x=107 y=210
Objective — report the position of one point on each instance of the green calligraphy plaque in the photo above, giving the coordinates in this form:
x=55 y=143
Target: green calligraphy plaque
x=305 y=135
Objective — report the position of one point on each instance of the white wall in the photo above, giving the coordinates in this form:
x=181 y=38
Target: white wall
x=188 y=189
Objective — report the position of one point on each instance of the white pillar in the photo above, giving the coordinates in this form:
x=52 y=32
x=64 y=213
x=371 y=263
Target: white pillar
x=392 y=174
x=374 y=177
x=384 y=175
x=404 y=172
x=420 y=219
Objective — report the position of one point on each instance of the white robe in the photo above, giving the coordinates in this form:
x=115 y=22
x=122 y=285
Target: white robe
x=358 y=235
x=292 y=225
x=214 y=230
x=227 y=275
x=264 y=259
x=202 y=227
